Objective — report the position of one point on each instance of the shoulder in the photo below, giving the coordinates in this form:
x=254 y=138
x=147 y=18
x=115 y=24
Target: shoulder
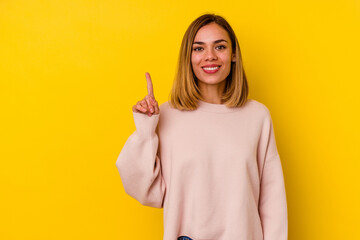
x=165 y=108
x=258 y=107
x=260 y=112
x=164 y=105
x=166 y=111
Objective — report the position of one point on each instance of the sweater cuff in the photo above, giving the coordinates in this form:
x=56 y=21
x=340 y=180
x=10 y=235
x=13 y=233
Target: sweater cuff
x=145 y=125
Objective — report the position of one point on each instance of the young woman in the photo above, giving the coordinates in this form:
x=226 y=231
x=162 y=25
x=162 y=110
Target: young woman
x=208 y=156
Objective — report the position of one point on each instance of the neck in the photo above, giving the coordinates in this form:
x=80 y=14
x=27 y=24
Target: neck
x=212 y=93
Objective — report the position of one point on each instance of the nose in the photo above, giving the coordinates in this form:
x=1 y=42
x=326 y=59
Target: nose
x=210 y=55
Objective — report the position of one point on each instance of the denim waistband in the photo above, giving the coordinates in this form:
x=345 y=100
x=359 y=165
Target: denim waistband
x=184 y=238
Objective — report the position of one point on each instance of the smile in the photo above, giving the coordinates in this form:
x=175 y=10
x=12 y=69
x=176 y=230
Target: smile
x=211 y=69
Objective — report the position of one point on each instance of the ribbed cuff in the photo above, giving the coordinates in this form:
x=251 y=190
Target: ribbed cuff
x=144 y=124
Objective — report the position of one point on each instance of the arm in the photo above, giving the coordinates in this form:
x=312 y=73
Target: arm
x=272 y=203
x=139 y=164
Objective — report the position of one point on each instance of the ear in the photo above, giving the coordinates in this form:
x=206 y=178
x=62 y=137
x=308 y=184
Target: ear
x=233 y=58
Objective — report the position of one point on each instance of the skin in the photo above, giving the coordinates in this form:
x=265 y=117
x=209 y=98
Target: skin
x=209 y=52
x=148 y=105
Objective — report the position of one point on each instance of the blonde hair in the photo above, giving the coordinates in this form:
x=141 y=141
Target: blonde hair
x=185 y=92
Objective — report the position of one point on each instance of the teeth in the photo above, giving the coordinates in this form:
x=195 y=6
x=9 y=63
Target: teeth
x=211 y=68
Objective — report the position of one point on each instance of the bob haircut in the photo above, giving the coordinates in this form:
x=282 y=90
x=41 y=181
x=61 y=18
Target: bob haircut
x=185 y=92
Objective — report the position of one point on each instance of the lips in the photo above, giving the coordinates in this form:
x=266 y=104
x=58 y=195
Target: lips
x=212 y=68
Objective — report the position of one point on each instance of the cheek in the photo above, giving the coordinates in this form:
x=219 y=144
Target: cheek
x=226 y=58
x=195 y=60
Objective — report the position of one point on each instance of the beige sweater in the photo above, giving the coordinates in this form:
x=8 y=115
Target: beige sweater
x=216 y=171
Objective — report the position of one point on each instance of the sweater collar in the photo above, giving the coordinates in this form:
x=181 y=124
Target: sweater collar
x=213 y=107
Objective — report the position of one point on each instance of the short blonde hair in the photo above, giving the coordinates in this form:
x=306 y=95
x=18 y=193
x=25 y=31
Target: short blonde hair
x=185 y=92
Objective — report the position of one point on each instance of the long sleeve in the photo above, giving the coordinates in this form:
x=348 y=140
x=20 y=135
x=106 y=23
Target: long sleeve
x=139 y=164
x=272 y=203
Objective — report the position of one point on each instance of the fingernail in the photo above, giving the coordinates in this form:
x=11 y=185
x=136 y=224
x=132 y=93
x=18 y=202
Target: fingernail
x=151 y=110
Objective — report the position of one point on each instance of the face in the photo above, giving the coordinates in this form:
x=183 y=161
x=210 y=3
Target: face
x=211 y=54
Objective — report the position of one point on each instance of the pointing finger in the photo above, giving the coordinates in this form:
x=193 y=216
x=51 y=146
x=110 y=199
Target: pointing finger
x=149 y=84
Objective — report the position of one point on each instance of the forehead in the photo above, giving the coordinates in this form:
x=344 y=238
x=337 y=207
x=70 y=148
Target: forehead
x=211 y=32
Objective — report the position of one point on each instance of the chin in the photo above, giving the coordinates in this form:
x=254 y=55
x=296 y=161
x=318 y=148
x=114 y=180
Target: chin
x=210 y=80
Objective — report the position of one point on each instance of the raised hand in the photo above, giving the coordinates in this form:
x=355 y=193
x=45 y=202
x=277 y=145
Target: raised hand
x=148 y=105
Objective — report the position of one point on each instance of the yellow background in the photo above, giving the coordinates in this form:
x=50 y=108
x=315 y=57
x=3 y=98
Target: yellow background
x=71 y=70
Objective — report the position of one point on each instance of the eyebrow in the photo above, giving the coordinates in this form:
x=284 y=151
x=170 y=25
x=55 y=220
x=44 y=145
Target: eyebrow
x=217 y=41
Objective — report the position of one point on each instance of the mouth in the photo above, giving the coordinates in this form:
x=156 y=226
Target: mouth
x=211 y=69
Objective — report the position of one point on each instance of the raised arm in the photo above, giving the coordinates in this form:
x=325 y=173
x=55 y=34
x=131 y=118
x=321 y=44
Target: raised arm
x=138 y=163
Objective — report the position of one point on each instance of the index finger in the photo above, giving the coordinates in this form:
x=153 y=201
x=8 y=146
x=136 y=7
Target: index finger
x=149 y=84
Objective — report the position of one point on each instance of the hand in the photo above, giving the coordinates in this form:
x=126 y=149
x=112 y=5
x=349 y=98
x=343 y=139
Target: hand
x=148 y=105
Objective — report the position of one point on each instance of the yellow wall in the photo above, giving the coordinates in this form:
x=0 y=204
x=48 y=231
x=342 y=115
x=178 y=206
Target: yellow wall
x=71 y=70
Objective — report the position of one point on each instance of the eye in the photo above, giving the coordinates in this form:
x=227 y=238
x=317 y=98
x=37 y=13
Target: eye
x=197 y=49
x=221 y=47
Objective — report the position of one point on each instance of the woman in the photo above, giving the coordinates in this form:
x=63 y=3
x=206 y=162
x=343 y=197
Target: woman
x=208 y=156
